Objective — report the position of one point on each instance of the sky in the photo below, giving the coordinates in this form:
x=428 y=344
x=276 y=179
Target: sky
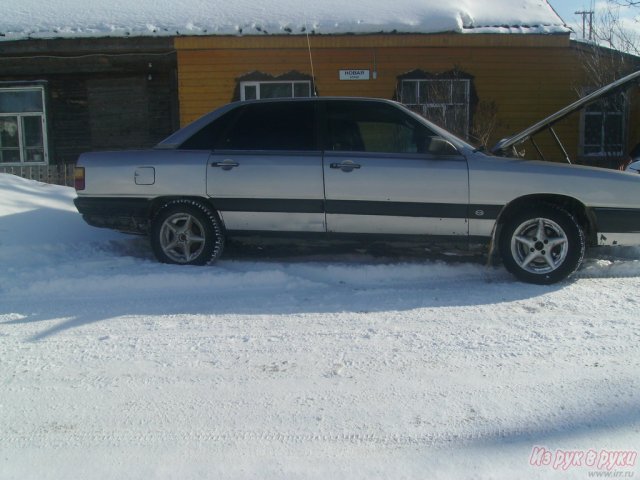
x=567 y=8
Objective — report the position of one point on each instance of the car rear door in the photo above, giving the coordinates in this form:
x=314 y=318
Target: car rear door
x=265 y=173
x=387 y=173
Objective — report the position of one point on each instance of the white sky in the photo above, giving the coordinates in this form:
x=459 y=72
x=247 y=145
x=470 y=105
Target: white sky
x=567 y=8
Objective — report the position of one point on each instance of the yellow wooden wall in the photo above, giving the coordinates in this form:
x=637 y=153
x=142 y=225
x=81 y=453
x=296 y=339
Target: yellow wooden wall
x=527 y=76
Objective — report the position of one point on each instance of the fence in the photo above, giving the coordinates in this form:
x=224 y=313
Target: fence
x=56 y=174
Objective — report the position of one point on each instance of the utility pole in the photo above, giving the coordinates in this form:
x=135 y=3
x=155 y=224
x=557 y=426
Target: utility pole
x=585 y=14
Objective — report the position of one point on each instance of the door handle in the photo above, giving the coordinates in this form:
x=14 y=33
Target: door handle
x=345 y=166
x=227 y=164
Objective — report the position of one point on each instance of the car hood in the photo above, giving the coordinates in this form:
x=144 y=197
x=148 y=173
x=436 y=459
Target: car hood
x=504 y=146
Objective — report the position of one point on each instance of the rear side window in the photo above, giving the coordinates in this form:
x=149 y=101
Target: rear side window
x=271 y=126
x=374 y=127
x=207 y=137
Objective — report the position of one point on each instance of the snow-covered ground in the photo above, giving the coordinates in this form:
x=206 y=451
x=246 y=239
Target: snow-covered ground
x=330 y=366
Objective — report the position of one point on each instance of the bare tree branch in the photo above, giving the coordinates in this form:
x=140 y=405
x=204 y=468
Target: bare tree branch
x=610 y=28
x=604 y=60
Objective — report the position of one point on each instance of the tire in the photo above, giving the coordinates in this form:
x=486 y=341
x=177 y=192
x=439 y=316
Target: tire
x=186 y=232
x=543 y=245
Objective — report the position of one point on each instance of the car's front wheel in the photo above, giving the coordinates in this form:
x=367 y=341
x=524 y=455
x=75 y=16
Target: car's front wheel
x=187 y=233
x=542 y=245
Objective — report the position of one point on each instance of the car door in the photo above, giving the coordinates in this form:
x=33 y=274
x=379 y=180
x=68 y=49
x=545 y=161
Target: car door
x=387 y=173
x=265 y=173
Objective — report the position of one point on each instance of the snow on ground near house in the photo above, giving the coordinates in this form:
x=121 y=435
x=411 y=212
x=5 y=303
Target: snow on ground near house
x=117 y=18
x=332 y=366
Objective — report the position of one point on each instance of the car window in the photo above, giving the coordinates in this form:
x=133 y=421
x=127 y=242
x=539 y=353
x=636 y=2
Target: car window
x=271 y=126
x=207 y=137
x=374 y=127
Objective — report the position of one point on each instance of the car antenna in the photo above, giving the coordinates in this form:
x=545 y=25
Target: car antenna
x=313 y=76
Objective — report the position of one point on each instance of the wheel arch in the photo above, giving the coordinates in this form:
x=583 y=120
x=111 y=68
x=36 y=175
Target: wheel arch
x=159 y=202
x=583 y=215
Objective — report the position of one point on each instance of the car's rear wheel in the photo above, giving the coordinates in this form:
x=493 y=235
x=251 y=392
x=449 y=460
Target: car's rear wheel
x=186 y=232
x=543 y=245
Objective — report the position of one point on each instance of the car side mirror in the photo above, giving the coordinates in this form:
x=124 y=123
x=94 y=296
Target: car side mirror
x=441 y=147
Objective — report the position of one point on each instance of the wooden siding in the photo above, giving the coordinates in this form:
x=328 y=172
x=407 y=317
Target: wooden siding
x=527 y=77
x=101 y=93
x=387 y=40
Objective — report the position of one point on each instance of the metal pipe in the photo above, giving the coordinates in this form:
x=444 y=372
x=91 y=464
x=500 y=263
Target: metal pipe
x=559 y=143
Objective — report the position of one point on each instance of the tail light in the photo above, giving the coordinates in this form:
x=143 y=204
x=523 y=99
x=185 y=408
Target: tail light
x=78 y=177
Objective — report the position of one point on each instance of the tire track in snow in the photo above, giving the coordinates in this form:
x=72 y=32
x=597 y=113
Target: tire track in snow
x=67 y=436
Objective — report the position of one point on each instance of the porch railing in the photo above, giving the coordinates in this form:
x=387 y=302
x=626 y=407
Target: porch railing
x=56 y=174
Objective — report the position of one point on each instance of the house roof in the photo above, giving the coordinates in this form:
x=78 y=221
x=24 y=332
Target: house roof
x=122 y=18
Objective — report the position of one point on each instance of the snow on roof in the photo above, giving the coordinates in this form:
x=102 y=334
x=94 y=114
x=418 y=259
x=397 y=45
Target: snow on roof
x=120 y=18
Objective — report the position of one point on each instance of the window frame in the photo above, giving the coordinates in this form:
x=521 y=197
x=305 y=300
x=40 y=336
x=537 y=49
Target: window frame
x=624 y=117
x=257 y=84
x=332 y=113
x=422 y=108
x=22 y=147
x=240 y=115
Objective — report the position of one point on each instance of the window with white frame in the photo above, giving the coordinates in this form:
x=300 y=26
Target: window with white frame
x=275 y=89
x=603 y=127
x=22 y=126
x=443 y=101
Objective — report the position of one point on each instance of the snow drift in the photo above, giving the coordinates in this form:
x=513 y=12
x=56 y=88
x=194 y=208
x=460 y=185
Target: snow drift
x=329 y=366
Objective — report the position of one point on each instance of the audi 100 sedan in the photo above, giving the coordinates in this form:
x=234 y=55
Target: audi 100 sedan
x=356 y=168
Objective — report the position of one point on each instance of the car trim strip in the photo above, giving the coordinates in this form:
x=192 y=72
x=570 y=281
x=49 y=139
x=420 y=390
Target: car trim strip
x=268 y=205
x=618 y=220
x=116 y=206
x=397 y=209
x=399 y=237
x=126 y=206
x=353 y=207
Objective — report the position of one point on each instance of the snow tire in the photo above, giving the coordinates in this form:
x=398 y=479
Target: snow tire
x=542 y=245
x=186 y=232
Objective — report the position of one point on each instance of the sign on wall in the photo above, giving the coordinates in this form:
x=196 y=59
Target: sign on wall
x=354 y=74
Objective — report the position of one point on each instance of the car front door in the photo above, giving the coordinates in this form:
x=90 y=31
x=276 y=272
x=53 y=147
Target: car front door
x=265 y=173
x=387 y=173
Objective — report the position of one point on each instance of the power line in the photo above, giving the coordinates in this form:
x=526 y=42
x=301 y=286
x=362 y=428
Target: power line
x=585 y=14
